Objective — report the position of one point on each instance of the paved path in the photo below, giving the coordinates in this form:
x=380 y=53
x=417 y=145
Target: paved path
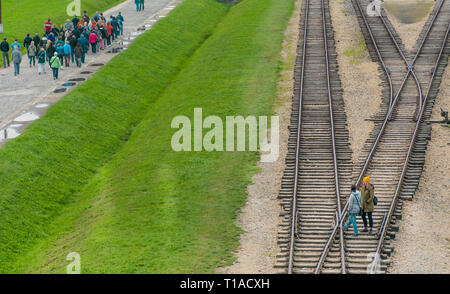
x=18 y=94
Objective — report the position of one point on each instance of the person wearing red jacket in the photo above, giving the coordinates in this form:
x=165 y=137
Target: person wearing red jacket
x=109 y=28
x=47 y=27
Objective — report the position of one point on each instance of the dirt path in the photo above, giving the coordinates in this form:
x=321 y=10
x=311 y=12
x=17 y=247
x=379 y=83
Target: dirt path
x=260 y=216
x=422 y=245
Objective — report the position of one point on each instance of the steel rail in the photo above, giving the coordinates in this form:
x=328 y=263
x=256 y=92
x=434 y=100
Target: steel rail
x=335 y=164
x=408 y=155
x=393 y=102
x=299 y=123
x=343 y=212
x=330 y=103
x=410 y=67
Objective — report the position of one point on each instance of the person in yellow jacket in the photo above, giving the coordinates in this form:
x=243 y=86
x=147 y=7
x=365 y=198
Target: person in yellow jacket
x=368 y=194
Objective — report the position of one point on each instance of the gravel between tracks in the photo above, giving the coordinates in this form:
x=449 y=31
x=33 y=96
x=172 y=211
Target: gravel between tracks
x=422 y=244
x=260 y=216
x=359 y=75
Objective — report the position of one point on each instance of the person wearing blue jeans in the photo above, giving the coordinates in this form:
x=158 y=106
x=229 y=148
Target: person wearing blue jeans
x=16 y=58
x=354 y=207
x=137 y=2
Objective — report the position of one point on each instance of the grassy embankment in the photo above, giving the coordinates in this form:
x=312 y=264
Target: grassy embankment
x=150 y=209
x=46 y=168
x=28 y=16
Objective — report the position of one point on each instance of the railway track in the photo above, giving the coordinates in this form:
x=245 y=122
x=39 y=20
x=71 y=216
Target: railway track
x=318 y=163
x=393 y=155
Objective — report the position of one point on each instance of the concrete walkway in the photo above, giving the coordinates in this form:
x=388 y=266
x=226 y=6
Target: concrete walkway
x=20 y=94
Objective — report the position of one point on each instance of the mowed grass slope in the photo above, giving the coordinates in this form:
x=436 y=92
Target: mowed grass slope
x=153 y=210
x=28 y=16
x=44 y=169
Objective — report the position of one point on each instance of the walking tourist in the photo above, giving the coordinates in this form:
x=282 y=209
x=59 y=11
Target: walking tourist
x=55 y=64
x=367 y=193
x=4 y=47
x=16 y=58
x=354 y=208
x=41 y=60
x=32 y=50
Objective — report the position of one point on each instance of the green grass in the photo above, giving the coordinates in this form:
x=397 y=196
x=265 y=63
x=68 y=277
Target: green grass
x=153 y=210
x=28 y=16
x=44 y=170
x=357 y=52
x=150 y=209
x=409 y=13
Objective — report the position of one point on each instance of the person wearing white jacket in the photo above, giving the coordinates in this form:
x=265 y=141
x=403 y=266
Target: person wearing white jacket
x=354 y=207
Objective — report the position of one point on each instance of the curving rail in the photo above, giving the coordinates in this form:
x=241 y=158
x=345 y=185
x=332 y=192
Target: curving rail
x=392 y=104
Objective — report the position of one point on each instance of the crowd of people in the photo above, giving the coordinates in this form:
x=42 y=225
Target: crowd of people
x=67 y=44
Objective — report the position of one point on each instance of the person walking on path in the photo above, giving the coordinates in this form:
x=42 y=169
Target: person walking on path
x=93 y=41
x=368 y=194
x=67 y=53
x=138 y=4
x=121 y=20
x=55 y=31
x=75 y=21
x=104 y=35
x=32 y=50
x=85 y=17
x=15 y=45
x=78 y=51
x=47 y=27
x=85 y=45
x=41 y=60
x=68 y=25
x=16 y=58
x=354 y=207
x=50 y=50
x=27 y=42
x=109 y=28
x=55 y=64
x=120 y=26
x=73 y=43
x=115 y=25
x=36 y=39
x=60 y=51
x=141 y=5
x=4 y=47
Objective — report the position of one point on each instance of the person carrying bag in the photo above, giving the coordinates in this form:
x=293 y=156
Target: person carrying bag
x=368 y=196
x=354 y=208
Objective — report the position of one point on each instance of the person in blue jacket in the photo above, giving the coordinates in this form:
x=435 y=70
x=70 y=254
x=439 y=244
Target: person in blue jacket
x=141 y=5
x=67 y=53
x=15 y=45
x=85 y=45
x=354 y=208
x=60 y=51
